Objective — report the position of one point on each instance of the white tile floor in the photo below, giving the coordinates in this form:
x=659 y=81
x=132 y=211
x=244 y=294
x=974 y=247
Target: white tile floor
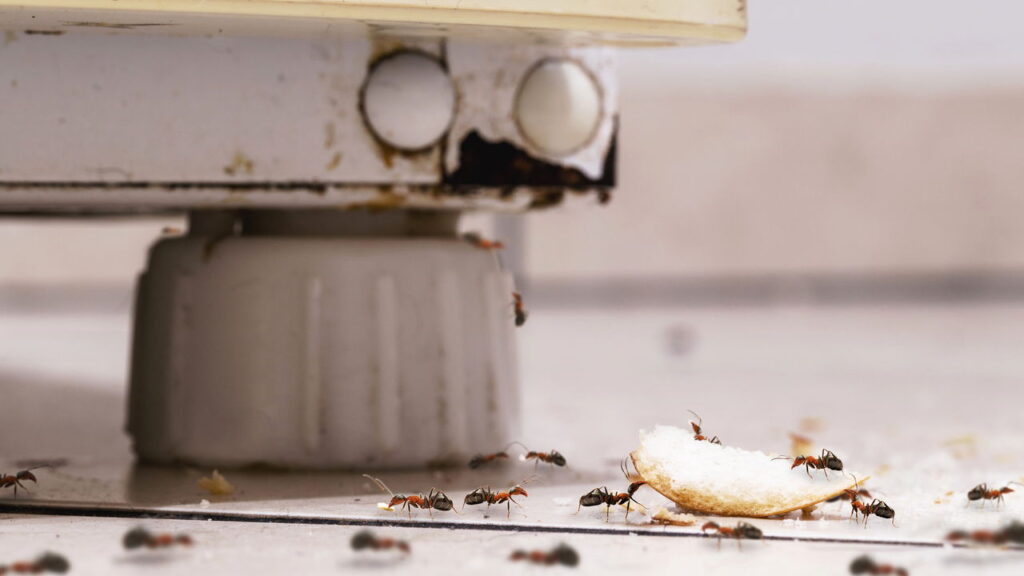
x=925 y=399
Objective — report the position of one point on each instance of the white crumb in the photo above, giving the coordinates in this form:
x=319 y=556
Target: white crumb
x=666 y=516
x=204 y=503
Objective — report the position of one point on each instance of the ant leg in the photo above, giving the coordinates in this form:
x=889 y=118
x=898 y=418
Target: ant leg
x=626 y=519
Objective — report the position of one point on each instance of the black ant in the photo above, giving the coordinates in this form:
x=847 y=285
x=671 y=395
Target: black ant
x=698 y=432
x=16 y=479
x=435 y=500
x=481 y=495
x=562 y=554
x=366 y=540
x=741 y=531
x=139 y=537
x=867 y=565
x=825 y=462
x=876 y=507
x=981 y=492
x=47 y=562
x=481 y=459
x=599 y=496
x=1012 y=533
x=520 y=311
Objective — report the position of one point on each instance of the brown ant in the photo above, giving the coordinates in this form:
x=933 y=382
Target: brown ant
x=47 y=562
x=698 y=432
x=981 y=492
x=139 y=537
x=481 y=459
x=825 y=462
x=554 y=457
x=867 y=565
x=562 y=554
x=520 y=311
x=876 y=507
x=482 y=243
x=599 y=496
x=435 y=500
x=16 y=479
x=481 y=495
x=366 y=540
x=741 y=531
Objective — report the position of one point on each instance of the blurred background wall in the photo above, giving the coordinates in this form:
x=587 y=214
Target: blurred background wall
x=845 y=150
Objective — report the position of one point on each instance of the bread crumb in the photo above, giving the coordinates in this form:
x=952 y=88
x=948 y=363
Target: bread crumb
x=384 y=506
x=216 y=484
x=666 y=516
x=729 y=481
x=204 y=503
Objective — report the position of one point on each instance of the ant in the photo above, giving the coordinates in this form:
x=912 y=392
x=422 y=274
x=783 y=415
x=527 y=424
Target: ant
x=867 y=565
x=481 y=459
x=825 y=462
x=698 y=433
x=139 y=537
x=553 y=457
x=47 y=562
x=366 y=540
x=981 y=492
x=599 y=496
x=521 y=313
x=562 y=554
x=435 y=500
x=741 y=531
x=16 y=479
x=850 y=495
x=481 y=495
x=1012 y=533
x=482 y=243
x=876 y=507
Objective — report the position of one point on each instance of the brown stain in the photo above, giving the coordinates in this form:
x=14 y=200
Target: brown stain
x=116 y=25
x=329 y=135
x=44 y=32
x=9 y=36
x=240 y=164
x=335 y=161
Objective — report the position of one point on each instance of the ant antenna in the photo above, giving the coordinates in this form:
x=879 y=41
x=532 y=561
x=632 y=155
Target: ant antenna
x=380 y=484
x=700 y=420
x=515 y=443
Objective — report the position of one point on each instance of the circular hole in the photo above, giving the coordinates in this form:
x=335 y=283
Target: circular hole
x=408 y=100
x=558 y=108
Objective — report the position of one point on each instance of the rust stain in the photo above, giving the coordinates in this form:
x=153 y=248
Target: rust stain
x=116 y=25
x=329 y=135
x=240 y=164
x=335 y=161
x=44 y=32
x=386 y=200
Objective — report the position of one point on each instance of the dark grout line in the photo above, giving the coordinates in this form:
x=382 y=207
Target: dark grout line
x=91 y=512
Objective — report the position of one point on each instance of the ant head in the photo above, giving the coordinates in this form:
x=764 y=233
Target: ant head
x=883 y=510
x=594 y=497
x=557 y=459
x=363 y=539
x=478 y=496
x=477 y=461
x=976 y=493
x=136 y=538
x=396 y=500
x=565 y=555
x=749 y=531
x=831 y=461
x=862 y=565
x=26 y=475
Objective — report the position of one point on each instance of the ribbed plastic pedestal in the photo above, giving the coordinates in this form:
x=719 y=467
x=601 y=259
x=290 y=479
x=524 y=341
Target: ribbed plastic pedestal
x=322 y=353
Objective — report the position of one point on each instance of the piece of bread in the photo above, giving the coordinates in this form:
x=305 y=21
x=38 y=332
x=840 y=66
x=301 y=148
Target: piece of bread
x=726 y=481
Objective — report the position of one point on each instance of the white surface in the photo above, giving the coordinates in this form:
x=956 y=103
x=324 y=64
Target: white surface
x=322 y=352
x=926 y=399
x=409 y=100
x=558 y=107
